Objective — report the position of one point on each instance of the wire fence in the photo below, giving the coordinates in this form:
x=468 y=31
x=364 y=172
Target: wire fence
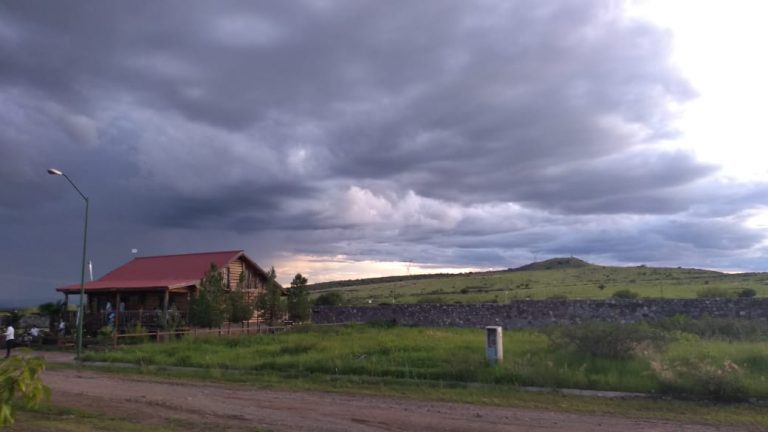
x=229 y=329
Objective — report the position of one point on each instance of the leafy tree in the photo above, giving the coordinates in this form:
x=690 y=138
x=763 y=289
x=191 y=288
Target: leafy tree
x=298 y=299
x=20 y=379
x=240 y=306
x=270 y=302
x=329 y=299
x=209 y=307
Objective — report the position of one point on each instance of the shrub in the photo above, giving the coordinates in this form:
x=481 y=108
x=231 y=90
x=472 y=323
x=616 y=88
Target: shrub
x=713 y=292
x=747 y=293
x=702 y=378
x=141 y=334
x=607 y=340
x=625 y=294
x=106 y=332
x=464 y=290
x=329 y=299
x=430 y=299
x=715 y=328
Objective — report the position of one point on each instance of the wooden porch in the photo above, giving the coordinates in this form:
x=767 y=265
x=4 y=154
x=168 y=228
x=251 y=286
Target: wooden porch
x=153 y=310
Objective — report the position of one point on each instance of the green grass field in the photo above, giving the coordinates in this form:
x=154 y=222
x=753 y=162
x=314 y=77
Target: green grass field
x=446 y=356
x=568 y=277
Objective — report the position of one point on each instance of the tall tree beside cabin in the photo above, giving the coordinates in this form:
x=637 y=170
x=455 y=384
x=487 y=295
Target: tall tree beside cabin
x=209 y=308
x=240 y=306
x=270 y=302
x=298 y=299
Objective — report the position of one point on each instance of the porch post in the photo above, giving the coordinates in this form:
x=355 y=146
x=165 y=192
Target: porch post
x=165 y=308
x=117 y=310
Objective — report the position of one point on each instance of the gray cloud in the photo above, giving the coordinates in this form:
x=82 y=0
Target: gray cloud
x=440 y=131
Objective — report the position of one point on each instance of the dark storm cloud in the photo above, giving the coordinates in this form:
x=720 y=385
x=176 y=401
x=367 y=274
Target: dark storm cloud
x=435 y=131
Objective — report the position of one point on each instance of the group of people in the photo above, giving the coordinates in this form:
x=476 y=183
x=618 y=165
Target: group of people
x=32 y=336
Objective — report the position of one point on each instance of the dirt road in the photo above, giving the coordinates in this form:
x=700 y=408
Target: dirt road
x=236 y=407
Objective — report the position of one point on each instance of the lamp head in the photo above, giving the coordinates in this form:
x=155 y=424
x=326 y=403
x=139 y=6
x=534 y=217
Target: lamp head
x=54 y=171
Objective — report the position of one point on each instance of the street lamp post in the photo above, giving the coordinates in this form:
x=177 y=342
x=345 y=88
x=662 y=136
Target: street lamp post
x=81 y=307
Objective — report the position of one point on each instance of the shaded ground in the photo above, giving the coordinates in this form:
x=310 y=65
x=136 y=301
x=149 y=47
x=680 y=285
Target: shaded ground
x=238 y=407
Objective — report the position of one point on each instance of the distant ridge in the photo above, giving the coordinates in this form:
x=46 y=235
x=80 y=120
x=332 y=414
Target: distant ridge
x=554 y=264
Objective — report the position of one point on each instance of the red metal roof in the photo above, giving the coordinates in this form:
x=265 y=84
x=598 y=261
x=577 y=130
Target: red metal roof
x=159 y=272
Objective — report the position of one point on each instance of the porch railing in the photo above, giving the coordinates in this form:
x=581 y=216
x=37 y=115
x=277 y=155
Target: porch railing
x=128 y=320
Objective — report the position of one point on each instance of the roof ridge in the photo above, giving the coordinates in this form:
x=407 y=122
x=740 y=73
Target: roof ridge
x=191 y=253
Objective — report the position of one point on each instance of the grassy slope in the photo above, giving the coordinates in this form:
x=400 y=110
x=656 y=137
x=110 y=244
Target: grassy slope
x=542 y=280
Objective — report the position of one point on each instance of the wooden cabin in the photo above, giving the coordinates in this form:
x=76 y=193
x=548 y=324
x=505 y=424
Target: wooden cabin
x=146 y=289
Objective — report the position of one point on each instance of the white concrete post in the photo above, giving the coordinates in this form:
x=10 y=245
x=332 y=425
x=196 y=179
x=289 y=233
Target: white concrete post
x=494 y=345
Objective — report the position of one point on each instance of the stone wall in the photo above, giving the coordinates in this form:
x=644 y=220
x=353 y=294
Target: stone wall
x=536 y=313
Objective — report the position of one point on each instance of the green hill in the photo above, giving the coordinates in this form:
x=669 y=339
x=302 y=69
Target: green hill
x=570 y=278
x=553 y=264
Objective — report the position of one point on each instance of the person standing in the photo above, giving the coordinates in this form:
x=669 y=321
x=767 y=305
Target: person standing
x=9 y=339
x=34 y=334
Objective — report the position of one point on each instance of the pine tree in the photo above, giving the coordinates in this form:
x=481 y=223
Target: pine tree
x=270 y=303
x=298 y=299
x=240 y=306
x=209 y=307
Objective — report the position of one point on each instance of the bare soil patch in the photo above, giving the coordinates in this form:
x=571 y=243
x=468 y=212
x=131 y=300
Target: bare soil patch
x=238 y=407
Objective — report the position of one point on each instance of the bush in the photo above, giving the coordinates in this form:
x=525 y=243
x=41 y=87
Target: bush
x=329 y=299
x=106 y=332
x=607 y=340
x=702 y=378
x=141 y=334
x=431 y=299
x=715 y=328
x=747 y=293
x=713 y=292
x=625 y=294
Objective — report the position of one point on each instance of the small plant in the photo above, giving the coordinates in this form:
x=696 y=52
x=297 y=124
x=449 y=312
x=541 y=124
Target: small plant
x=601 y=286
x=464 y=290
x=747 y=293
x=20 y=379
x=713 y=292
x=625 y=294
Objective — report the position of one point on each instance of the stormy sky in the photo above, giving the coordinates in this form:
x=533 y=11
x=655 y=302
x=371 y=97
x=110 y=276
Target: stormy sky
x=343 y=139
